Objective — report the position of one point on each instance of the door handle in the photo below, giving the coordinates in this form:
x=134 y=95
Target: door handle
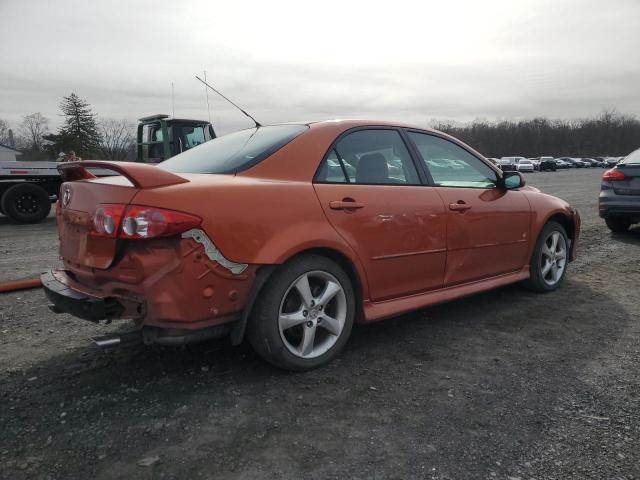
x=459 y=207
x=345 y=204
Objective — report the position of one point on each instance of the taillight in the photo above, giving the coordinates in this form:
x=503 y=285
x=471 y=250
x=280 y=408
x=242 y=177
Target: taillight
x=135 y=222
x=106 y=220
x=613 y=175
x=148 y=222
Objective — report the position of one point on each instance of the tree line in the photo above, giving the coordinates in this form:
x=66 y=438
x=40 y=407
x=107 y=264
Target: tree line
x=82 y=132
x=608 y=134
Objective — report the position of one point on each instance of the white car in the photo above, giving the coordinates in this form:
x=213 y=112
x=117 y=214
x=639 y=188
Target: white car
x=525 y=165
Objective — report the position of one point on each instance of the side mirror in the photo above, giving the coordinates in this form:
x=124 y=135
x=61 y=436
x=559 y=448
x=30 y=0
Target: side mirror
x=512 y=180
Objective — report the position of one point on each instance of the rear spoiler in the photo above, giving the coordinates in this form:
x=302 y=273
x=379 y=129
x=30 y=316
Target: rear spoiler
x=142 y=175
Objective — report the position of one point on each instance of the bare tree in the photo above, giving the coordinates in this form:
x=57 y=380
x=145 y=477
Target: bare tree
x=32 y=130
x=118 y=139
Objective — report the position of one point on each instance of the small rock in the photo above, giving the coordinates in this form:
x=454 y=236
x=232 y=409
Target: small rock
x=31 y=379
x=148 y=461
x=373 y=388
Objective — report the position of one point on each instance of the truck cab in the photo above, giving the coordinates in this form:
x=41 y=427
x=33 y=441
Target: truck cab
x=160 y=137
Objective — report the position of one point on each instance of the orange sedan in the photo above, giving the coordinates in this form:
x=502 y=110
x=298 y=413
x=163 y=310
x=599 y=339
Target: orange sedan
x=288 y=234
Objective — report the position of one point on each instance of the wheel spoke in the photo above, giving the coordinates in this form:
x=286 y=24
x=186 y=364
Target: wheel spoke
x=330 y=291
x=546 y=251
x=330 y=324
x=308 y=337
x=554 y=241
x=562 y=254
x=546 y=268
x=288 y=320
x=302 y=285
x=554 y=272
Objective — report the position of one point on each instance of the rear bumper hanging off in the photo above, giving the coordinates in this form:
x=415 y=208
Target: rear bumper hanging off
x=65 y=299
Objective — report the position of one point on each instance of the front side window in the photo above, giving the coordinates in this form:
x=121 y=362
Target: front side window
x=369 y=157
x=451 y=165
x=234 y=152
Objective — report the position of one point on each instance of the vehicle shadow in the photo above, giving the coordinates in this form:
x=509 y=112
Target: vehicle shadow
x=632 y=237
x=481 y=373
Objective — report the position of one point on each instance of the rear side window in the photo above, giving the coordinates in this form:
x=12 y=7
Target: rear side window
x=369 y=157
x=632 y=158
x=234 y=152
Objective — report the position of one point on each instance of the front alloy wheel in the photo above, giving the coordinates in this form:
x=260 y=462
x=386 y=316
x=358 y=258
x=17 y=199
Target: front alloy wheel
x=554 y=258
x=548 y=265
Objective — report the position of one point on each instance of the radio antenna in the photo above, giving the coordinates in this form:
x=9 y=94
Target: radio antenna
x=254 y=120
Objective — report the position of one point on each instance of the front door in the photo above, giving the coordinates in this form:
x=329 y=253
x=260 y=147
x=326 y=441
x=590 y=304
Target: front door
x=487 y=227
x=371 y=193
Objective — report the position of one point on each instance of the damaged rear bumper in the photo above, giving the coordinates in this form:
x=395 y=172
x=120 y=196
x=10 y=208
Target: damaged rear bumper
x=65 y=299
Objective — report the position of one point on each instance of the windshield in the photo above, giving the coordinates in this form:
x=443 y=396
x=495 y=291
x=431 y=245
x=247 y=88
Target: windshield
x=234 y=152
x=632 y=158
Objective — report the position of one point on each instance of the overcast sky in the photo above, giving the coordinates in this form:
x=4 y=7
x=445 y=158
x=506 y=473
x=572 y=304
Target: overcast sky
x=300 y=60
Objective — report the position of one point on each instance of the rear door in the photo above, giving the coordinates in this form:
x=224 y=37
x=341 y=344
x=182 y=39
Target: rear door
x=372 y=194
x=487 y=227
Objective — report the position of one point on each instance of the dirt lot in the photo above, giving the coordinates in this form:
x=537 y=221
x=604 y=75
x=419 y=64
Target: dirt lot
x=506 y=384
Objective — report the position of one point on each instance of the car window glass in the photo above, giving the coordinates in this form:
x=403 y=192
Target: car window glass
x=451 y=165
x=194 y=136
x=370 y=157
x=331 y=170
x=234 y=152
x=632 y=158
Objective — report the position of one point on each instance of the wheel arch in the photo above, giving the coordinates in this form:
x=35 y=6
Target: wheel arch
x=571 y=224
x=266 y=271
x=565 y=220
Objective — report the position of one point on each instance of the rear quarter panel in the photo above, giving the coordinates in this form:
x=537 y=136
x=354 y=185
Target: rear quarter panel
x=255 y=221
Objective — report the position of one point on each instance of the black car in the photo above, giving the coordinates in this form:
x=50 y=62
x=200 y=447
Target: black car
x=619 y=202
x=547 y=164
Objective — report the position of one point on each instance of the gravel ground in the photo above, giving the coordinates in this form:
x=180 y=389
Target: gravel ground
x=506 y=384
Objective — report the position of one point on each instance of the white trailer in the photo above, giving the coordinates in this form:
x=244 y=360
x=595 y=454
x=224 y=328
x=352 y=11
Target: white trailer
x=27 y=189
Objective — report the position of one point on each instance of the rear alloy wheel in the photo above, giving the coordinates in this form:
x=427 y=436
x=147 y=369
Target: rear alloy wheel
x=617 y=224
x=304 y=316
x=26 y=203
x=549 y=260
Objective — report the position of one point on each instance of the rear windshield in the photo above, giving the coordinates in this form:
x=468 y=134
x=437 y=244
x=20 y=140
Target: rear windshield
x=234 y=152
x=632 y=158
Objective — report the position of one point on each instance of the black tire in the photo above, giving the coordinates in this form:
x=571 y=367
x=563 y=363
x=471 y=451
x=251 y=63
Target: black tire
x=26 y=203
x=536 y=281
x=263 y=327
x=617 y=224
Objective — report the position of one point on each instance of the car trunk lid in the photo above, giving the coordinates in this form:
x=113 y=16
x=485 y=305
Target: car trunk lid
x=631 y=183
x=82 y=193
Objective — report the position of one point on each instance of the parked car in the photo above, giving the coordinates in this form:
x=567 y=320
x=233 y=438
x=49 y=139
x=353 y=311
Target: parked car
x=611 y=161
x=258 y=232
x=525 y=165
x=536 y=162
x=574 y=162
x=619 y=202
x=507 y=165
x=593 y=162
x=544 y=164
x=562 y=164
